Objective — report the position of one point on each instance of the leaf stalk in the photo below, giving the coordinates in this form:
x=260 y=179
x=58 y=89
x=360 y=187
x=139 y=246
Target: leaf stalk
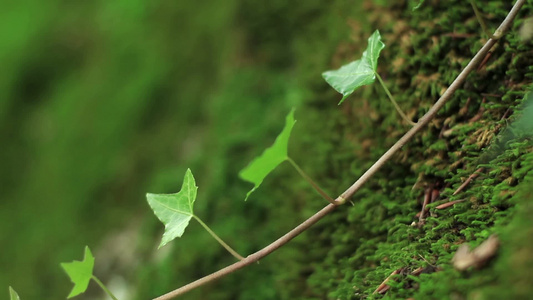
x=400 y=111
x=480 y=19
x=219 y=240
x=311 y=182
x=103 y=287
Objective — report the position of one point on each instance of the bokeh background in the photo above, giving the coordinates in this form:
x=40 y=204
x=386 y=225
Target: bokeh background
x=102 y=102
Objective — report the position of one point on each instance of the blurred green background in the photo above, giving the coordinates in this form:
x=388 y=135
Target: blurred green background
x=103 y=101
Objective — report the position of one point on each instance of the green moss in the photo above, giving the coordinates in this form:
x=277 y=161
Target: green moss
x=444 y=155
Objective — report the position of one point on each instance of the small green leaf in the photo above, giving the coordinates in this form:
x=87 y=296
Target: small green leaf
x=420 y=2
x=13 y=295
x=357 y=73
x=80 y=272
x=261 y=166
x=175 y=210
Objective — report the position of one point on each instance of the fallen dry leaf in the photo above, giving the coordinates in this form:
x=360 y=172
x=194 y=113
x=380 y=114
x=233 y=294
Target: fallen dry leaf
x=464 y=258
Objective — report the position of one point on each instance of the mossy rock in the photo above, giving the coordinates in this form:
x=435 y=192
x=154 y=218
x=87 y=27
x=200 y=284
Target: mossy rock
x=364 y=244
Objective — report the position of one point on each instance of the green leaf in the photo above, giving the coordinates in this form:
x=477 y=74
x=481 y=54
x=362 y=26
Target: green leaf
x=261 y=166
x=175 y=210
x=420 y=2
x=80 y=272
x=371 y=54
x=357 y=73
x=13 y=295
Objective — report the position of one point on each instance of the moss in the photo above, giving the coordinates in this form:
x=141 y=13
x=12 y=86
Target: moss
x=454 y=145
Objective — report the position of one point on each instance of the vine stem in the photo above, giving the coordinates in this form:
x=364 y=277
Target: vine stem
x=476 y=60
x=311 y=182
x=461 y=78
x=400 y=111
x=103 y=287
x=219 y=240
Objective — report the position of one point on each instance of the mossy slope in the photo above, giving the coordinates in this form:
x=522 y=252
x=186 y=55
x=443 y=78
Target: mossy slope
x=362 y=245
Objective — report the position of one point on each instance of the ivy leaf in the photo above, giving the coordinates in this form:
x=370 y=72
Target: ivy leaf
x=420 y=2
x=13 y=295
x=80 y=272
x=261 y=166
x=175 y=210
x=357 y=73
x=371 y=54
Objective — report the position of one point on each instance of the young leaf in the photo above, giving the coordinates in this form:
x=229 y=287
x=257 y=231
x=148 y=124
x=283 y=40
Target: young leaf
x=80 y=272
x=420 y=2
x=175 y=210
x=371 y=54
x=357 y=73
x=261 y=166
x=13 y=295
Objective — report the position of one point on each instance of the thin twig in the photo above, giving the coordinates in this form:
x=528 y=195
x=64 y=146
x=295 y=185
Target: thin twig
x=310 y=181
x=485 y=60
x=468 y=180
x=427 y=198
x=367 y=175
x=383 y=287
x=448 y=204
x=459 y=35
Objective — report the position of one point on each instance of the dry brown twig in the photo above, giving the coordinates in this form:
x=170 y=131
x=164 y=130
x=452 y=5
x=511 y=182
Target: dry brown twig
x=448 y=204
x=427 y=199
x=461 y=78
x=383 y=287
x=468 y=180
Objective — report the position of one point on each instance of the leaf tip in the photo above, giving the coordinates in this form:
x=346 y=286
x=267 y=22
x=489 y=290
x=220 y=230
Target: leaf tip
x=80 y=272
x=250 y=192
x=161 y=245
x=88 y=251
x=343 y=98
x=13 y=294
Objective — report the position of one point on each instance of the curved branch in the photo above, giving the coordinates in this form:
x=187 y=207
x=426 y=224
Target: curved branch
x=476 y=60
x=253 y=257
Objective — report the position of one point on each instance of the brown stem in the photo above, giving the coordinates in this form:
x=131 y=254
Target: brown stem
x=359 y=183
x=383 y=287
x=253 y=257
x=427 y=198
